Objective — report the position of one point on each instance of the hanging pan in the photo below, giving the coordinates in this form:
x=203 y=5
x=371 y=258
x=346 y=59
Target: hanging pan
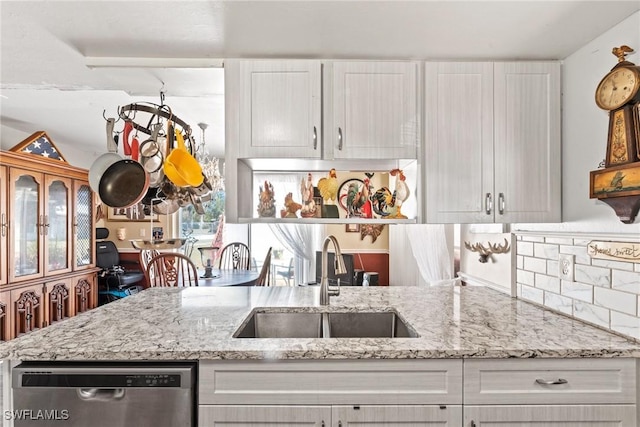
x=152 y=158
x=125 y=182
x=105 y=160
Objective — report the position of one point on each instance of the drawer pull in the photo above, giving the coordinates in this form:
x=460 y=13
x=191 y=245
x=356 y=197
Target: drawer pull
x=552 y=382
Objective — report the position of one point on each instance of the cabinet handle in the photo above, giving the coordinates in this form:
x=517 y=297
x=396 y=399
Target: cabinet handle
x=339 y=423
x=473 y=424
x=45 y=226
x=315 y=138
x=322 y=423
x=4 y=225
x=501 y=203
x=488 y=204
x=340 y=139
x=552 y=382
x=39 y=225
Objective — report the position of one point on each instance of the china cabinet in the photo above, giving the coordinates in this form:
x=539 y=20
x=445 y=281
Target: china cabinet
x=47 y=239
x=492 y=142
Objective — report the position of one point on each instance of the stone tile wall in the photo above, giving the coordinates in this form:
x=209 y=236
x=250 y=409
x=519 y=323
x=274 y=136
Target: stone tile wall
x=603 y=293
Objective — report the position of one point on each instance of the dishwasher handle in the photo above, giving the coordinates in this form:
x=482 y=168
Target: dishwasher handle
x=100 y=394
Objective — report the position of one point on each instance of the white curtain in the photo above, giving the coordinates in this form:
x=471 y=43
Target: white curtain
x=302 y=240
x=429 y=246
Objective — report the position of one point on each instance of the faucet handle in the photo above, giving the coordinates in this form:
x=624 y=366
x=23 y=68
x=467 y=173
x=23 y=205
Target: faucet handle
x=334 y=290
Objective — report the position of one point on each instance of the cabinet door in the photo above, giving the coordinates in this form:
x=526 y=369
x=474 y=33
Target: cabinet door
x=5 y=316
x=393 y=416
x=27 y=308
x=550 y=415
x=458 y=142
x=57 y=225
x=263 y=416
x=375 y=110
x=59 y=301
x=527 y=142
x=280 y=109
x=26 y=227
x=83 y=229
x=84 y=293
x=4 y=225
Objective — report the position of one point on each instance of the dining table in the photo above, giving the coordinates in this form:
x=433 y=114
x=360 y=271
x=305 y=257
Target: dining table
x=228 y=277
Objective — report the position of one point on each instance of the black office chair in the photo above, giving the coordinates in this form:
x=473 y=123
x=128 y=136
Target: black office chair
x=114 y=281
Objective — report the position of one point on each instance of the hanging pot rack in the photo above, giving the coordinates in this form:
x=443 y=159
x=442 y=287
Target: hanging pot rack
x=157 y=112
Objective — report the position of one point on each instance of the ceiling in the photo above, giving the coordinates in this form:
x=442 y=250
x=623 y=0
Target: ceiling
x=64 y=63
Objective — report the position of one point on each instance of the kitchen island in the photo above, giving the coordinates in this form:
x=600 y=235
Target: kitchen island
x=199 y=323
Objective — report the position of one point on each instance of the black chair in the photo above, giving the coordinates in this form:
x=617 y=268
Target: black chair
x=114 y=281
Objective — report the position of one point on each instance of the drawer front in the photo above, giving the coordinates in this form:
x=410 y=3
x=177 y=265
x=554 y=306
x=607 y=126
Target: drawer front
x=549 y=381
x=550 y=416
x=331 y=382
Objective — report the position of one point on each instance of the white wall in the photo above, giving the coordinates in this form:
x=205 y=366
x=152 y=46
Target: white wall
x=584 y=132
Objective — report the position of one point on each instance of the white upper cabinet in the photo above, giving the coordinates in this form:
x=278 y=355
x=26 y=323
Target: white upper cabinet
x=492 y=142
x=374 y=110
x=280 y=109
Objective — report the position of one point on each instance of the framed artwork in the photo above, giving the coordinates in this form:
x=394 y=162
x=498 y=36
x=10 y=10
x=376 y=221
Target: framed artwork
x=352 y=228
x=137 y=212
x=615 y=181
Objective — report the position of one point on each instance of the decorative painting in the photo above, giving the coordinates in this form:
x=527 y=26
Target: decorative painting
x=615 y=181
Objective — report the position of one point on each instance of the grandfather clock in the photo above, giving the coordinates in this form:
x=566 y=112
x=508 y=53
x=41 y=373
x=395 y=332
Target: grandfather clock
x=618 y=183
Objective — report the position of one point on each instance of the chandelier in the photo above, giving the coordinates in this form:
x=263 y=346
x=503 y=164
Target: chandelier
x=209 y=164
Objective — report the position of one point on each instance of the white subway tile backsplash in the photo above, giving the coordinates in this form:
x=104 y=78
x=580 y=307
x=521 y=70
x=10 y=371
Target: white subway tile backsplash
x=525 y=277
x=532 y=294
x=625 y=324
x=525 y=248
x=577 y=291
x=615 y=300
x=604 y=292
x=628 y=281
x=559 y=240
x=548 y=283
x=537 y=265
x=579 y=251
x=544 y=250
x=591 y=313
x=558 y=302
x=597 y=276
x=618 y=265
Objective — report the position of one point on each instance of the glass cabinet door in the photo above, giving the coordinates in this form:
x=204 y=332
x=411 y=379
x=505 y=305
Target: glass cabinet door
x=83 y=225
x=26 y=226
x=56 y=225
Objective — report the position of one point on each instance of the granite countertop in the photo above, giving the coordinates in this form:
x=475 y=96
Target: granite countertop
x=198 y=323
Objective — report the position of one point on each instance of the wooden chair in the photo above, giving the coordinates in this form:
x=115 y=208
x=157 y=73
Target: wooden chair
x=169 y=269
x=235 y=256
x=264 y=279
x=144 y=257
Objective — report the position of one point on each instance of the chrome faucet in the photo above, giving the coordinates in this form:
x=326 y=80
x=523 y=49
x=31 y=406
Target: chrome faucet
x=325 y=289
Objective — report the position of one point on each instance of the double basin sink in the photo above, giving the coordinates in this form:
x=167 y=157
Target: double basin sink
x=267 y=323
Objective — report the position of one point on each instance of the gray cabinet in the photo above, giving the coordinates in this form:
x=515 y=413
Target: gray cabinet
x=492 y=142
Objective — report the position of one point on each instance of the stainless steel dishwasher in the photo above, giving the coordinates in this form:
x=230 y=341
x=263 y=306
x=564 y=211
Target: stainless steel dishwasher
x=114 y=394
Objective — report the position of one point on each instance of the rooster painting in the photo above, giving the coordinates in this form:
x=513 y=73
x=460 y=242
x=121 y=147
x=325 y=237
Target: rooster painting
x=328 y=187
x=388 y=204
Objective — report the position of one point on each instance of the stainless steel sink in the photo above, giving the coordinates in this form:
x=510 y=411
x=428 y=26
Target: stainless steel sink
x=296 y=324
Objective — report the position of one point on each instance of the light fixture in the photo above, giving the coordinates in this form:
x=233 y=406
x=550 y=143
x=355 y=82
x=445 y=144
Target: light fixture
x=209 y=163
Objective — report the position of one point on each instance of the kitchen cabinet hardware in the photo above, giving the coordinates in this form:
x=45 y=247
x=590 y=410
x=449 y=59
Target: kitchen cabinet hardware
x=488 y=204
x=315 y=138
x=339 y=423
x=3 y=225
x=551 y=382
x=45 y=226
x=339 y=139
x=322 y=423
x=473 y=424
x=501 y=203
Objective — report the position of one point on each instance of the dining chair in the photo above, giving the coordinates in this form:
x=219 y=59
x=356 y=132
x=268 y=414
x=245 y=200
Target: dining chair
x=264 y=279
x=143 y=258
x=286 y=273
x=235 y=256
x=170 y=269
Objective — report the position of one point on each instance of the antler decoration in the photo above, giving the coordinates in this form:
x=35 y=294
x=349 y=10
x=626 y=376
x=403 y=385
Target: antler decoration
x=485 y=253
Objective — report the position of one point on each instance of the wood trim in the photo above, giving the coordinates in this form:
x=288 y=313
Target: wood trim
x=42 y=164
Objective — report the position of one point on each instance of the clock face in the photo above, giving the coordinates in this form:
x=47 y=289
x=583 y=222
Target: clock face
x=617 y=88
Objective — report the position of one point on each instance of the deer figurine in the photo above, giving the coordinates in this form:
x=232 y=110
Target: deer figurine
x=485 y=253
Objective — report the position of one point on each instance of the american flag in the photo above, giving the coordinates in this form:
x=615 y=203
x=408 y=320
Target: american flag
x=43 y=147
